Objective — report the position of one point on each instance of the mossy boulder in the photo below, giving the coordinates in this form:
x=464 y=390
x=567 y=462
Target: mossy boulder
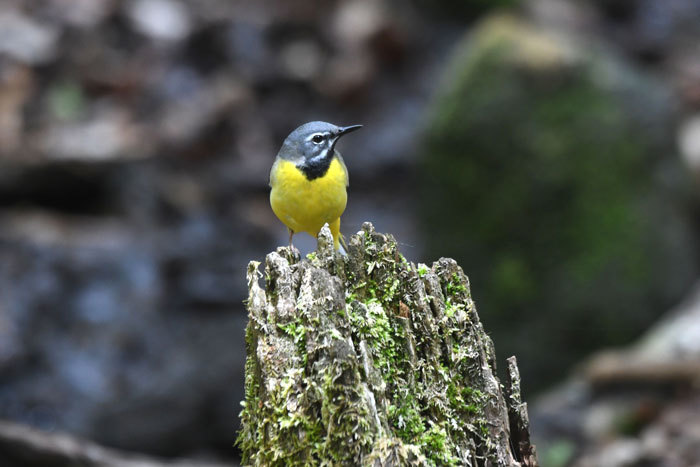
x=371 y=360
x=549 y=170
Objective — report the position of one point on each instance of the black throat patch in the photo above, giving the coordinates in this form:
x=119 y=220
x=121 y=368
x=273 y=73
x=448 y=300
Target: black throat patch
x=316 y=168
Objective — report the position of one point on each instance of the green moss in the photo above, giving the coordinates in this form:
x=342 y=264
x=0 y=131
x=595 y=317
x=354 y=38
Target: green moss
x=406 y=419
x=422 y=369
x=437 y=446
x=297 y=331
x=455 y=285
x=465 y=400
x=390 y=291
x=251 y=431
x=422 y=270
x=372 y=324
x=384 y=332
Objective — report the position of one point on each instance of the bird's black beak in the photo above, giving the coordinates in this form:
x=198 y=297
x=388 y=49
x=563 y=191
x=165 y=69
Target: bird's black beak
x=343 y=130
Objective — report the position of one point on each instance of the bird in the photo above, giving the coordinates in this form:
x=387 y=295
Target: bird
x=309 y=180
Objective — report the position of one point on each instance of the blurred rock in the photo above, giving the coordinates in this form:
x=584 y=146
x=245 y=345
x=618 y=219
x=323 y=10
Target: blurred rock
x=621 y=453
x=24 y=39
x=130 y=368
x=247 y=46
x=661 y=34
x=79 y=13
x=684 y=66
x=650 y=28
x=108 y=135
x=160 y=19
x=191 y=109
x=365 y=33
x=355 y=22
x=573 y=222
x=670 y=352
x=16 y=84
x=347 y=77
x=564 y=16
x=633 y=406
x=689 y=143
x=301 y=59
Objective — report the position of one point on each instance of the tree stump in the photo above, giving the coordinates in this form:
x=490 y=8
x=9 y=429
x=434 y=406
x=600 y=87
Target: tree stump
x=367 y=359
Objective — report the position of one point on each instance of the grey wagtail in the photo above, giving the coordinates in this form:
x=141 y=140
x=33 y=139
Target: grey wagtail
x=309 y=180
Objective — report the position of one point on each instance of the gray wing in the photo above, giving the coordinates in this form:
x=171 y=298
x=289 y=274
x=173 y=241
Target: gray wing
x=342 y=164
x=272 y=171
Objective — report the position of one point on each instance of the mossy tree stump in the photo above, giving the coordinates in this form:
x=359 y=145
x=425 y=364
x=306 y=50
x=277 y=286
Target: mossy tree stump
x=371 y=360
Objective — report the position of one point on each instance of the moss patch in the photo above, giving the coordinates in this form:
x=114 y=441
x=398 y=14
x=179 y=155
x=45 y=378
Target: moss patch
x=379 y=360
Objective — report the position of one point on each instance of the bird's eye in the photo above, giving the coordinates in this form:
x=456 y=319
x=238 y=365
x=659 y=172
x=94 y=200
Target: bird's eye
x=318 y=139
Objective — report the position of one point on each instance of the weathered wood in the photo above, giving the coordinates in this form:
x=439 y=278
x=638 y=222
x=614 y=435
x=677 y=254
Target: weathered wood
x=518 y=417
x=371 y=360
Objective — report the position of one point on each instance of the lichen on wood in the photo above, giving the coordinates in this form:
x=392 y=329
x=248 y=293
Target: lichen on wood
x=368 y=359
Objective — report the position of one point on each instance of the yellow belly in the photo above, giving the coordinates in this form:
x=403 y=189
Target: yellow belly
x=305 y=205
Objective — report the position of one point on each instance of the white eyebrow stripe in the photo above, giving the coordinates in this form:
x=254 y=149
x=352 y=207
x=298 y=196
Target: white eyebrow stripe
x=325 y=135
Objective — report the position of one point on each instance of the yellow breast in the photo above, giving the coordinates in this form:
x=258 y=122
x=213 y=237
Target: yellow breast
x=305 y=205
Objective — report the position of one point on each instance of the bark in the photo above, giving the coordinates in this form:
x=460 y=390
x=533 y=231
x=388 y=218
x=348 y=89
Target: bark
x=367 y=359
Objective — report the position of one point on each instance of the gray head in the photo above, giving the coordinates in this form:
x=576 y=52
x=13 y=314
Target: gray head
x=312 y=145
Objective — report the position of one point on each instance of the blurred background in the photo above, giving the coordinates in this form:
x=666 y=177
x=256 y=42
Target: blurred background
x=551 y=146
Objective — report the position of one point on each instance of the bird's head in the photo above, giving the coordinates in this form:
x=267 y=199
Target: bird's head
x=313 y=142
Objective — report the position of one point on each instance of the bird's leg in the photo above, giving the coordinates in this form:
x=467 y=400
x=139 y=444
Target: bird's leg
x=291 y=234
